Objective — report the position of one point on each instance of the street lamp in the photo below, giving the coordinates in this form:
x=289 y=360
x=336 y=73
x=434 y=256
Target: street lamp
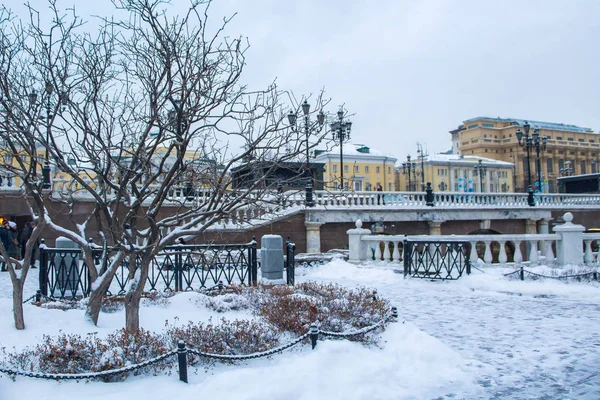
x=309 y=128
x=409 y=167
x=540 y=143
x=422 y=156
x=526 y=142
x=341 y=131
x=480 y=170
x=566 y=170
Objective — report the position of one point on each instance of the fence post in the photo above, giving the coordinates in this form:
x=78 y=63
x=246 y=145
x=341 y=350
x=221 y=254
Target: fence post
x=253 y=273
x=290 y=262
x=182 y=359
x=407 y=258
x=43 y=271
x=178 y=271
x=314 y=335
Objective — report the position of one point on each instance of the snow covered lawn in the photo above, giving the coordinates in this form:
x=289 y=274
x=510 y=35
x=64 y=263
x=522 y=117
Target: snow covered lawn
x=479 y=337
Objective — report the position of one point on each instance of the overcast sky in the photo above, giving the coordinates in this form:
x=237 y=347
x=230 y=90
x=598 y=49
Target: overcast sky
x=411 y=70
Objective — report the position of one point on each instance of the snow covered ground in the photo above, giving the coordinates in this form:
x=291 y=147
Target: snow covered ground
x=481 y=337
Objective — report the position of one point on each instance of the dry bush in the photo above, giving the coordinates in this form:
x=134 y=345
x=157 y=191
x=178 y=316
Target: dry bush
x=227 y=337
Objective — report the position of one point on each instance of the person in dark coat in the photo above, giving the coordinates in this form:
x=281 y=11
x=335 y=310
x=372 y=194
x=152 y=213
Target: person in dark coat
x=4 y=238
x=13 y=234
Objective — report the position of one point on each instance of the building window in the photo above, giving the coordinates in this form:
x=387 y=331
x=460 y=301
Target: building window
x=592 y=141
x=356 y=168
x=572 y=153
x=594 y=170
x=472 y=126
x=377 y=170
x=366 y=169
x=582 y=166
x=368 y=186
x=559 y=138
x=549 y=166
x=487 y=125
x=580 y=140
x=345 y=168
x=570 y=139
x=389 y=187
x=389 y=170
x=335 y=168
x=583 y=153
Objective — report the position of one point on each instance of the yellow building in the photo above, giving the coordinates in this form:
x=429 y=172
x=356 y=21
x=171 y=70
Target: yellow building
x=570 y=150
x=455 y=173
x=363 y=168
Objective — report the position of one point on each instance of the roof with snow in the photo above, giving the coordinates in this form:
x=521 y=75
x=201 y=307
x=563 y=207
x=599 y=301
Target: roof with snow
x=535 y=124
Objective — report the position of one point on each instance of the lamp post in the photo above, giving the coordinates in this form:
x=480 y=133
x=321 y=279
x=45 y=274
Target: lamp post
x=409 y=167
x=422 y=156
x=526 y=142
x=480 y=170
x=566 y=170
x=341 y=132
x=540 y=143
x=309 y=128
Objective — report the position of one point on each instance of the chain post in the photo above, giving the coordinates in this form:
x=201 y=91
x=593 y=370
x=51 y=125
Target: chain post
x=38 y=296
x=394 y=313
x=220 y=286
x=314 y=335
x=182 y=359
x=521 y=274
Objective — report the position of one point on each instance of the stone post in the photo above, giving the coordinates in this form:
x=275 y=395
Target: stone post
x=313 y=236
x=357 y=247
x=569 y=249
x=435 y=227
x=271 y=257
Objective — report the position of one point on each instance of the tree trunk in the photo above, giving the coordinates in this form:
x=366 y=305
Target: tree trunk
x=132 y=310
x=18 y=305
x=92 y=311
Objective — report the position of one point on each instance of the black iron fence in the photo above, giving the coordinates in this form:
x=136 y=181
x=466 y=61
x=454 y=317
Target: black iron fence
x=436 y=260
x=63 y=273
x=290 y=262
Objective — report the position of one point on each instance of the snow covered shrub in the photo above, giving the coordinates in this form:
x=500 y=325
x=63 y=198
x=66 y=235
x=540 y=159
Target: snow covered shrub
x=334 y=307
x=156 y=298
x=225 y=302
x=227 y=337
x=72 y=354
x=112 y=304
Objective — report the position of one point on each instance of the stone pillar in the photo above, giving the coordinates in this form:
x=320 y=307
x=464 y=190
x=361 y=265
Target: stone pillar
x=357 y=247
x=271 y=256
x=531 y=229
x=313 y=236
x=435 y=227
x=485 y=224
x=569 y=249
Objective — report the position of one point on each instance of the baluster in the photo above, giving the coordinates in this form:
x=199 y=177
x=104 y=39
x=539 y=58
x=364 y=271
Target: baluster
x=369 y=255
x=386 y=251
x=396 y=252
x=502 y=257
x=487 y=257
x=517 y=257
x=549 y=254
x=473 y=256
x=377 y=251
x=533 y=253
x=588 y=257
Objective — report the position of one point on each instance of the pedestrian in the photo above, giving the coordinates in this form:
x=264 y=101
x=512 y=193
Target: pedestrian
x=380 y=198
x=25 y=236
x=13 y=234
x=4 y=238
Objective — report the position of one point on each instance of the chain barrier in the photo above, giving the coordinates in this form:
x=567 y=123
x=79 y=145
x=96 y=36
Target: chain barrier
x=265 y=353
x=89 y=375
x=312 y=334
x=593 y=274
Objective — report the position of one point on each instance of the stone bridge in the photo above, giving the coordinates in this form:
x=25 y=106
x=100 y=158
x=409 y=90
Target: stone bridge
x=323 y=227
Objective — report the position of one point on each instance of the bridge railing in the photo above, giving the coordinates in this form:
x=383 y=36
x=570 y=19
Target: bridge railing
x=451 y=199
x=569 y=245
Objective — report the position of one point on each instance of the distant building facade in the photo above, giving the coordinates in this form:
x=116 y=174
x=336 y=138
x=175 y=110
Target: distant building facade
x=456 y=173
x=571 y=150
x=363 y=168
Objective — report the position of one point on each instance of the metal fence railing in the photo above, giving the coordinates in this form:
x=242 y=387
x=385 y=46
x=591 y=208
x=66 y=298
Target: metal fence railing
x=63 y=273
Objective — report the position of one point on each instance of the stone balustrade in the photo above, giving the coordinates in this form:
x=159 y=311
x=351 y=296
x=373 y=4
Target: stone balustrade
x=568 y=245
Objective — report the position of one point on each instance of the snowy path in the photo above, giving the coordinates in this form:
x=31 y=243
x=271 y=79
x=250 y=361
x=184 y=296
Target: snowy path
x=521 y=339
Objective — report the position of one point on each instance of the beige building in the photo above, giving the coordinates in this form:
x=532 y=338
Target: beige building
x=363 y=168
x=570 y=150
x=455 y=173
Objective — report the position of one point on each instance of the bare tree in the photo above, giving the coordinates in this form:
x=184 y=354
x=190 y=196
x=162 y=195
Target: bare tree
x=127 y=116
